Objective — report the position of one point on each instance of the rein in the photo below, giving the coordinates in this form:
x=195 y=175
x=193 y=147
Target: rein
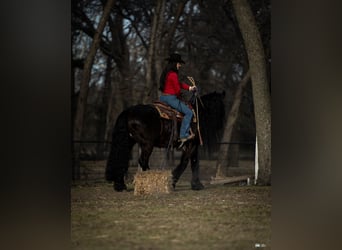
x=196 y=99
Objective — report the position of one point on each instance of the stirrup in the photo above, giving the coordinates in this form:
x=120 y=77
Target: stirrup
x=191 y=136
x=184 y=140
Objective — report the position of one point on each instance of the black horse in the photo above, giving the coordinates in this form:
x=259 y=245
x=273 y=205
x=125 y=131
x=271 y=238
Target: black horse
x=143 y=124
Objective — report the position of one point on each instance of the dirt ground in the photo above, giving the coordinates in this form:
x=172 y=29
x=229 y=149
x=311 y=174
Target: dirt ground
x=218 y=217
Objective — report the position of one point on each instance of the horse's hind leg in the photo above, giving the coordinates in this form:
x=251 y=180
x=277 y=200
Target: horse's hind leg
x=195 y=181
x=146 y=151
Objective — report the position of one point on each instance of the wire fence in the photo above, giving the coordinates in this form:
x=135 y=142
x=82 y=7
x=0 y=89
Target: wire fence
x=92 y=163
x=99 y=150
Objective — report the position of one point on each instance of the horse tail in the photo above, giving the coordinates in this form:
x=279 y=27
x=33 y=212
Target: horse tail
x=121 y=147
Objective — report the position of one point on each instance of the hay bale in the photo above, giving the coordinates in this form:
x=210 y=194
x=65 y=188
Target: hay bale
x=152 y=182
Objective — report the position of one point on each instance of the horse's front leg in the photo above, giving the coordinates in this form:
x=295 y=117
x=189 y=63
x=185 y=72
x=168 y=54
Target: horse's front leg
x=146 y=151
x=195 y=181
x=178 y=171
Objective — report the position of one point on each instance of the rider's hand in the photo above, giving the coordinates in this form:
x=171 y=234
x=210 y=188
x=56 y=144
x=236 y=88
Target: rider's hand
x=192 y=88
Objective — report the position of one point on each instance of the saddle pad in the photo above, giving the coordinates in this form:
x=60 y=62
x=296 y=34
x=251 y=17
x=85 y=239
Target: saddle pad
x=167 y=112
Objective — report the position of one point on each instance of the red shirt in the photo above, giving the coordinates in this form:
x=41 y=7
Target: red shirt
x=172 y=84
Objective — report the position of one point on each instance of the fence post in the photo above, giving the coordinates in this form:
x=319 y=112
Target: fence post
x=256 y=164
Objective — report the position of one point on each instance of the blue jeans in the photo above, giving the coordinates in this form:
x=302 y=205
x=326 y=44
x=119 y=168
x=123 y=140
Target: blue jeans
x=175 y=103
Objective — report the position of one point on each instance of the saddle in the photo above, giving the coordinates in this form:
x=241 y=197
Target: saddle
x=166 y=112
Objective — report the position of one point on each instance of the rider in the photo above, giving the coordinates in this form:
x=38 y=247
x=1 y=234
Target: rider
x=171 y=87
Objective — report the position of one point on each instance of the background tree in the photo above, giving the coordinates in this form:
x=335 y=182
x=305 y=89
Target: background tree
x=205 y=32
x=261 y=93
x=82 y=99
x=222 y=159
x=164 y=27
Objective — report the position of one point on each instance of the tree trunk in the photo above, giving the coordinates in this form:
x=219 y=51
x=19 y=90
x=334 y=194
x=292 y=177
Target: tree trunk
x=222 y=159
x=121 y=58
x=159 y=47
x=261 y=94
x=120 y=95
x=157 y=68
x=82 y=99
x=163 y=46
x=173 y=28
x=234 y=150
x=102 y=124
x=152 y=51
x=115 y=106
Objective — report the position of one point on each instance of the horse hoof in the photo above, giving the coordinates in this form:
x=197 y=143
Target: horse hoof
x=197 y=186
x=120 y=187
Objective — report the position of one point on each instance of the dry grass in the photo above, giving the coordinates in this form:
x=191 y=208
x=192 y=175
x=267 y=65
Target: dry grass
x=218 y=217
x=152 y=182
